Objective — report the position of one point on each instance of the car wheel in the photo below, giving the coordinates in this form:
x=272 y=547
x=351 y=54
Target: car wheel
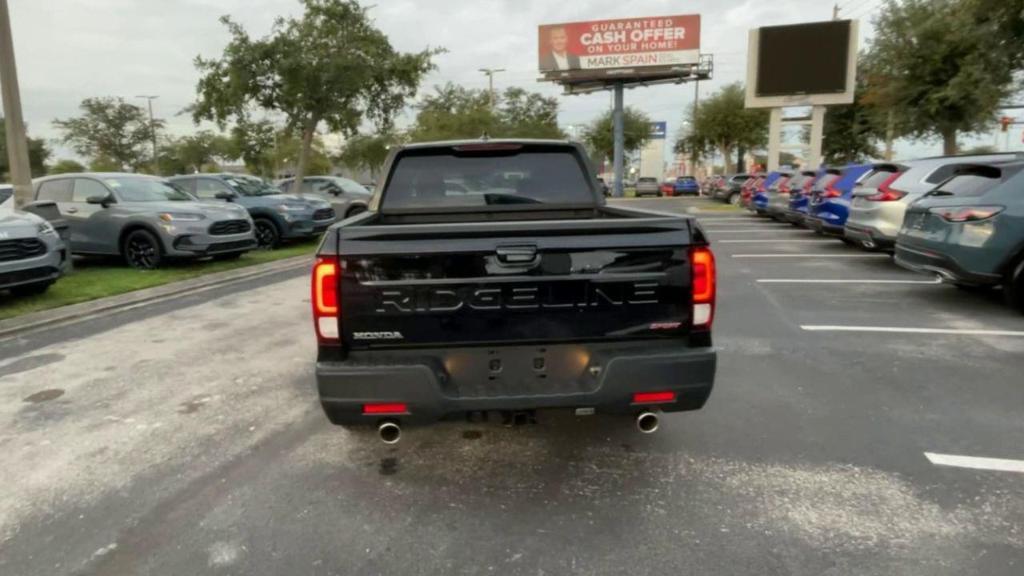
x=142 y=250
x=358 y=209
x=31 y=289
x=734 y=199
x=267 y=236
x=1013 y=286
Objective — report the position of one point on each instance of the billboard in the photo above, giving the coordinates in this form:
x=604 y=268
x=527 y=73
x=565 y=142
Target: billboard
x=658 y=130
x=604 y=47
x=781 y=71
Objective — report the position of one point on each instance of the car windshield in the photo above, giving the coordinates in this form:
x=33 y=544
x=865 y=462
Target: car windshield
x=248 y=187
x=146 y=190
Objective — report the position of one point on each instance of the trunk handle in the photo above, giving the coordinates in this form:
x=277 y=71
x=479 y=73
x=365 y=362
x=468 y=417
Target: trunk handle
x=523 y=255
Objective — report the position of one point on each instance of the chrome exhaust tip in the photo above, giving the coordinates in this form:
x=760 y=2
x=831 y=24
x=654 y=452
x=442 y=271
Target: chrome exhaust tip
x=647 y=422
x=390 y=432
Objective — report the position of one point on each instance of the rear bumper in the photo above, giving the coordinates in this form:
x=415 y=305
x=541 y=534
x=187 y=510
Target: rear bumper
x=930 y=262
x=820 y=225
x=428 y=381
x=869 y=237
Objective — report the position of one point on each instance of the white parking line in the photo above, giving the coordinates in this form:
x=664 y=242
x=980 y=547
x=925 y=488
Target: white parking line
x=738 y=221
x=728 y=219
x=752 y=230
x=905 y=330
x=937 y=280
x=805 y=255
x=998 y=464
x=778 y=241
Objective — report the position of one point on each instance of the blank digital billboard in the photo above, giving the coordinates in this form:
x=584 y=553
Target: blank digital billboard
x=803 y=59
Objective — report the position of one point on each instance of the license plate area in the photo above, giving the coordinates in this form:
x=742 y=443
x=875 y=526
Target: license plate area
x=521 y=371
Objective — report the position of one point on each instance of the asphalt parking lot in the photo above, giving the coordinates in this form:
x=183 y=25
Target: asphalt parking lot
x=851 y=394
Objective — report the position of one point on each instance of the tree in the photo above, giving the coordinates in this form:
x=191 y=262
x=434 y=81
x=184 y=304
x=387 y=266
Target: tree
x=331 y=66
x=65 y=166
x=204 y=149
x=599 y=136
x=851 y=132
x=453 y=112
x=939 y=68
x=529 y=115
x=111 y=132
x=38 y=153
x=723 y=122
x=368 y=152
x=254 y=142
x=289 y=147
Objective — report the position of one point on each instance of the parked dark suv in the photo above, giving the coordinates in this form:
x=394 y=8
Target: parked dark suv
x=970 y=229
x=276 y=216
x=144 y=219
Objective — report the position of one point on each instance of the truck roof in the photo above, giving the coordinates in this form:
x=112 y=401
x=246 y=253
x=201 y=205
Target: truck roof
x=466 y=142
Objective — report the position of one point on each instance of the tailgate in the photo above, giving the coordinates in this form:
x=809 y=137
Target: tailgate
x=515 y=282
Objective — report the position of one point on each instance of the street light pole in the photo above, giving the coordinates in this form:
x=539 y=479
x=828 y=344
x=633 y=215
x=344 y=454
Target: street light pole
x=17 y=142
x=490 y=72
x=152 y=129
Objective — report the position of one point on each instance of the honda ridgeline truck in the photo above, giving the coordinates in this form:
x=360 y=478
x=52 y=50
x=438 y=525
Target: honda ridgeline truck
x=490 y=276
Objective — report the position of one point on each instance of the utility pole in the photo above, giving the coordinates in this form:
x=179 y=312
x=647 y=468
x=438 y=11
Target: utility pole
x=618 y=139
x=490 y=72
x=835 y=11
x=17 y=142
x=152 y=130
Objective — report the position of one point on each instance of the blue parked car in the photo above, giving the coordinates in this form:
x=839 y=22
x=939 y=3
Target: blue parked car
x=685 y=185
x=800 y=200
x=760 y=201
x=829 y=207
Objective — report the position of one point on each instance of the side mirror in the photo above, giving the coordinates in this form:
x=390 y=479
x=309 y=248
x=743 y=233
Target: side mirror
x=332 y=189
x=101 y=200
x=228 y=196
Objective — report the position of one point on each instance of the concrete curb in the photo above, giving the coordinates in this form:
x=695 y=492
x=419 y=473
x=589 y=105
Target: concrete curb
x=102 y=306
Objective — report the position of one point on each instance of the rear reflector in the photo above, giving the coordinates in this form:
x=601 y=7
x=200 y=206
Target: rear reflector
x=653 y=397
x=386 y=408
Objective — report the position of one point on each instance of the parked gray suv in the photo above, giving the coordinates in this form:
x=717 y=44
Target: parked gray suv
x=32 y=255
x=144 y=219
x=276 y=216
x=347 y=197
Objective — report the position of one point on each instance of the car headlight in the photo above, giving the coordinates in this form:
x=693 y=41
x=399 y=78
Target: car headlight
x=181 y=217
x=289 y=208
x=45 y=227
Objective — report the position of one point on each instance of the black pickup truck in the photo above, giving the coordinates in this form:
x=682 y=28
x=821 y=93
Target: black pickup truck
x=490 y=276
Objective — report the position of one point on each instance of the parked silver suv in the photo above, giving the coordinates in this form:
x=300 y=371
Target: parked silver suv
x=143 y=219
x=32 y=255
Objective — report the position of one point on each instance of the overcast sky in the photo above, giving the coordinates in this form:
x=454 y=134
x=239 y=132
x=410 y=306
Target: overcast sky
x=68 y=50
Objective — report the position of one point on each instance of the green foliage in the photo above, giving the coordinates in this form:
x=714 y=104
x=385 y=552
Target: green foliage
x=851 y=132
x=942 y=66
x=65 y=166
x=253 y=142
x=600 y=139
x=289 y=147
x=104 y=164
x=38 y=154
x=110 y=131
x=368 y=152
x=453 y=112
x=331 y=66
x=983 y=149
x=723 y=122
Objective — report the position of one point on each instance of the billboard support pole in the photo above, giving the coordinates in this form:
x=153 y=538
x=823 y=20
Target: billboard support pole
x=618 y=140
x=774 y=138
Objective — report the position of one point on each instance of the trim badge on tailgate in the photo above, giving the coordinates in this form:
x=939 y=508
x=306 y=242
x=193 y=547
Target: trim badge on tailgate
x=387 y=335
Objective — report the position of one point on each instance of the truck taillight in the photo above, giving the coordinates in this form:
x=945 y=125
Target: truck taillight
x=326 y=299
x=702 y=271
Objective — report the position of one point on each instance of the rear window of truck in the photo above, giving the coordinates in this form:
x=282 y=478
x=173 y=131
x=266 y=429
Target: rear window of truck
x=496 y=175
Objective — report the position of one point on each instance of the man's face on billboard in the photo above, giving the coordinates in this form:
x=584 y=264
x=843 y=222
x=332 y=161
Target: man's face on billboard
x=559 y=39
